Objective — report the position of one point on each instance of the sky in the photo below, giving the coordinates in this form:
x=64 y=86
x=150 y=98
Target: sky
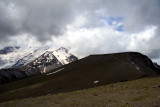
x=83 y=26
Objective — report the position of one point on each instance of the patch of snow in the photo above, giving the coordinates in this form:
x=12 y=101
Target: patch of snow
x=95 y=82
x=44 y=71
x=137 y=67
x=62 y=55
x=55 y=71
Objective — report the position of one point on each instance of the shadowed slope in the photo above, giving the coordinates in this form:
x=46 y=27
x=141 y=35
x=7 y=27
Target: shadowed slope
x=94 y=70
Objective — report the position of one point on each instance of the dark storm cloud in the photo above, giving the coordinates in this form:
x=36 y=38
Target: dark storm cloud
x=45 y=18
x=39 y=18
x=6 y=23
x=155 y=54
x=50 y=17
x=146 y=13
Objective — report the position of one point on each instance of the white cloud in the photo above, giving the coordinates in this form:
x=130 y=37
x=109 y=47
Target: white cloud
x=76 y=24
x=139 y=41
x=98 y=40
x=105 y=39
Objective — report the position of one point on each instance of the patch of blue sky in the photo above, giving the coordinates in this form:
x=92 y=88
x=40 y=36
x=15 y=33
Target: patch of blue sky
x=120 y=28
x=114 y=22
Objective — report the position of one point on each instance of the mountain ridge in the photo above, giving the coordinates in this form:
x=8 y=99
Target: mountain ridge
x=88 y=72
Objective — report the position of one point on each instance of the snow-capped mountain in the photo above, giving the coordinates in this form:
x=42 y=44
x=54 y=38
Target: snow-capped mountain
x=50 y=60
x=20 y=56
x=23 y=63
x=30 y=56
x=9 y=59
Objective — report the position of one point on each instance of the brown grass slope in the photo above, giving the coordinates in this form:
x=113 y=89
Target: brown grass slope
x=143 y=92
x=81 y=75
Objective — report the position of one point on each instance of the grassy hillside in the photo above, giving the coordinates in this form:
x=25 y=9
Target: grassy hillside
x=80 y=75
x=143 y=92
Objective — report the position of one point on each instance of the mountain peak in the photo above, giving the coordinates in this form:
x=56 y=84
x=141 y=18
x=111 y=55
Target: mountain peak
x=62 y=49
x=45 y=58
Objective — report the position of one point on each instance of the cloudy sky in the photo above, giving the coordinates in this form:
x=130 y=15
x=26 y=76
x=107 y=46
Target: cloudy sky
x=84 y=26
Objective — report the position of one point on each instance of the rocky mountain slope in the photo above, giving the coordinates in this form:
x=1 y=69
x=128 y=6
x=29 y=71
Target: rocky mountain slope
x=18 y=56
x=37 y=62
x=92 y=71
x=50 y=60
